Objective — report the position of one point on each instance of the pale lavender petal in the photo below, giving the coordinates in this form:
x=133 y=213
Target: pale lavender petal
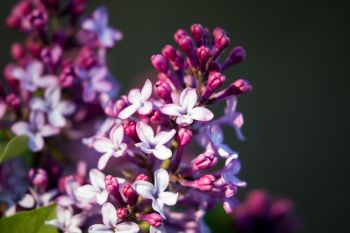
x=37 y=104
x=103 y=145
x=109 y=215
x=168 y=198
x=35 y=68
x=145 y=147
x=46 y=81
x=100 y=16
x=144 y=188
x=86 y=192
x=162 y=152
x=56 y=118
x=100 y=228
x=161 y=180
x=201 y=114
x=188 y=98
x=171 y=110
x=21 y=128
x=53 y=96
x=135 y=96
x=184 y=120
x=89 y=25
x=158 y=206
x=146 y=108
x=144 y=132
x=66 y=107
x=65 y=201
x=48 y=130
x=106 y=38
x=127 y=227
x=77 y=220
x=27 y=201
x=117 y=134
x=101 y=197
x=164 y=137
x=36 y=143
x=19 y=73
x=97 y=178
x=127 y=112
x=146 y=91
x=89 y=93
x=103 y=160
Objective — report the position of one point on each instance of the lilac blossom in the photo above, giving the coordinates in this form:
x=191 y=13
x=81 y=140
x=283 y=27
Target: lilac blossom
x=98 y=25
x=66 y=221
x=154 y=144
x=55 y=108
x=229 y=172
x=157 y=192
x=138 y=101
x=186 y=111
x=36 y=130
x=34 y=199
x=111 y=223
x=111 y=147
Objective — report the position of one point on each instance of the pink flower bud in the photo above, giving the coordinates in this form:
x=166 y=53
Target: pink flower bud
x=204 y=161
x=160 y=63
x=39 y=178
x=13 y=100
x=164 y=91
x=179 y=34
x=206 y=182
x=169 y=52
x=218 y=32
x=113 y=108
x=38 y=19
x=34 y=47
x=215 y=80
x=184 y=136
x=122 y=213
x=141 y=177
x=130 y=194
x=203 y=54
x=221 y=43
x=186 y=44
x=87 y=58
x=154 y=219
x=17 y=51
x=130 y=131
x=155 y=116
x=112 y=186
x=198 y=32
x=238 y=87
x=67 y=76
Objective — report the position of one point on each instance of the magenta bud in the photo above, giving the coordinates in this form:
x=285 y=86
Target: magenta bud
x=164 y=91
x=51 y=55
x=160 y=63
x=184 y=136
x=221 y=43
x=112 y=186
x=154 y=219
x=203 y=54
x=87 y=58
x=169 y=52
x=39 y=178
x=130 y=194
x=204 y=161
x=67 y=76
x=77 y=7
x=206 y=183
x=218 y=32
x=113 y=108
x=13 y=100
x=186 y=44
x=17 y=51
x=122 y=213
x=141 y=177
x=155 y=116
x=215 y=80
x=179 y=34
x=238 y=87
x=214 y=66
x=34 y=47
x=237 y=55
x=197 y=31
x=130 y=131
x=38 y=19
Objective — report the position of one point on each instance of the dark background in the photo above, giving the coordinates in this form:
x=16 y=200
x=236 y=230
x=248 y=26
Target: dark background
x=296 y=119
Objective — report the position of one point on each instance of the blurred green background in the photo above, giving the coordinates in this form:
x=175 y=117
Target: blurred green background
x=297 y=116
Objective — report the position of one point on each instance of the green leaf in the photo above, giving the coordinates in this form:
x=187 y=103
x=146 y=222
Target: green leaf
x=31 y=221
x=15 y=147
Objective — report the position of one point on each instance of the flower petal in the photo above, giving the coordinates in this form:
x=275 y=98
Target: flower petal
x=27 y=201
x=21 y=128
x=86 y=192
x=36 y=143
x=37 y=104
x=48 y=130
x=144 y=188
x=103 y=160
x=56 y=118
x=146 y=91
x=117 y=134
x=146 y=108
x=135 y=97
x=103 y=145
x=158 y=206
x=188 y=99
x=201 y=114
x=109 y=215
x=184 y=120
x=164 y=137
x=171 y=109
x=99 y=228
x=162 y=152
x=144 y=132
x=97 y=178
x=66 y=107
x=128 y=111
x=101 y=197
x=161 y=180
x=127 y=227
x=168 y=198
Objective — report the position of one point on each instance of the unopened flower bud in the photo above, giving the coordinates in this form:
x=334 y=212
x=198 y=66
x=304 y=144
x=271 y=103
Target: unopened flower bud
x=203 y=54
x=184 y=136
x=130 y=194
x=113 y=108
x=122 y=213
x=186 y=44
x=221 y=43
x=154 y=219
x=204 y=161
x=17 y=51
x=39 y=178
x=179 y=34
x=236 y=56
x=164 y=91
x=112 y=186
x=34 y=47
x=198 y=32
x=51 y=56
x=206 y=182
x=141 y=177
x=13 y=100
x=160 y=63
x=215 y=80
x=130 y=131
x=155 y=116
x=38 y=19
x=238 y=87
x=218 y=32
x=169 y=52
x=67 y=76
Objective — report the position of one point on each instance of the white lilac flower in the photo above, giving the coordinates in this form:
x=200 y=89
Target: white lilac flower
x=151 y=144
x=96 y=191
x=55 y=108
x=111 y=147
x=138 y=101
x=31 y=77
x=33 y=199
x=186 y=111
x=157 y=192
x=230 y=171
x=35 y=130
x=98 y=24
x=70 y=198
x=110 y=222
x=66 y=221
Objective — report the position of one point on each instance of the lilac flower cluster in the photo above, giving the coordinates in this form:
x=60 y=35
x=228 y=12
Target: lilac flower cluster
x=60 y=72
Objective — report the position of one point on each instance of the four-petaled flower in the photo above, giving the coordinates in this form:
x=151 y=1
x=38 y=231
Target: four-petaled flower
x=66 y=221
x=110 y=222
x=157 y=192
x=230 y=171
x=111 y=146
x=98 y=24
x=55 y=108
x=186 y=111
x=151 y=144
x=31 y=77
x=36 y=130
x=138 y=101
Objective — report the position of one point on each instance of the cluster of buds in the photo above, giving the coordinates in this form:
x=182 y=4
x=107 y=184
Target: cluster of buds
x=60 y=72
x=150 y=132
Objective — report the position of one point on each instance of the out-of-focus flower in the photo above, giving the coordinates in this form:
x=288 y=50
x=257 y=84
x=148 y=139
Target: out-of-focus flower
x=157 y=192
x=66 y=221
x=110 y=222
x=186 y=112
x=154 y=144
